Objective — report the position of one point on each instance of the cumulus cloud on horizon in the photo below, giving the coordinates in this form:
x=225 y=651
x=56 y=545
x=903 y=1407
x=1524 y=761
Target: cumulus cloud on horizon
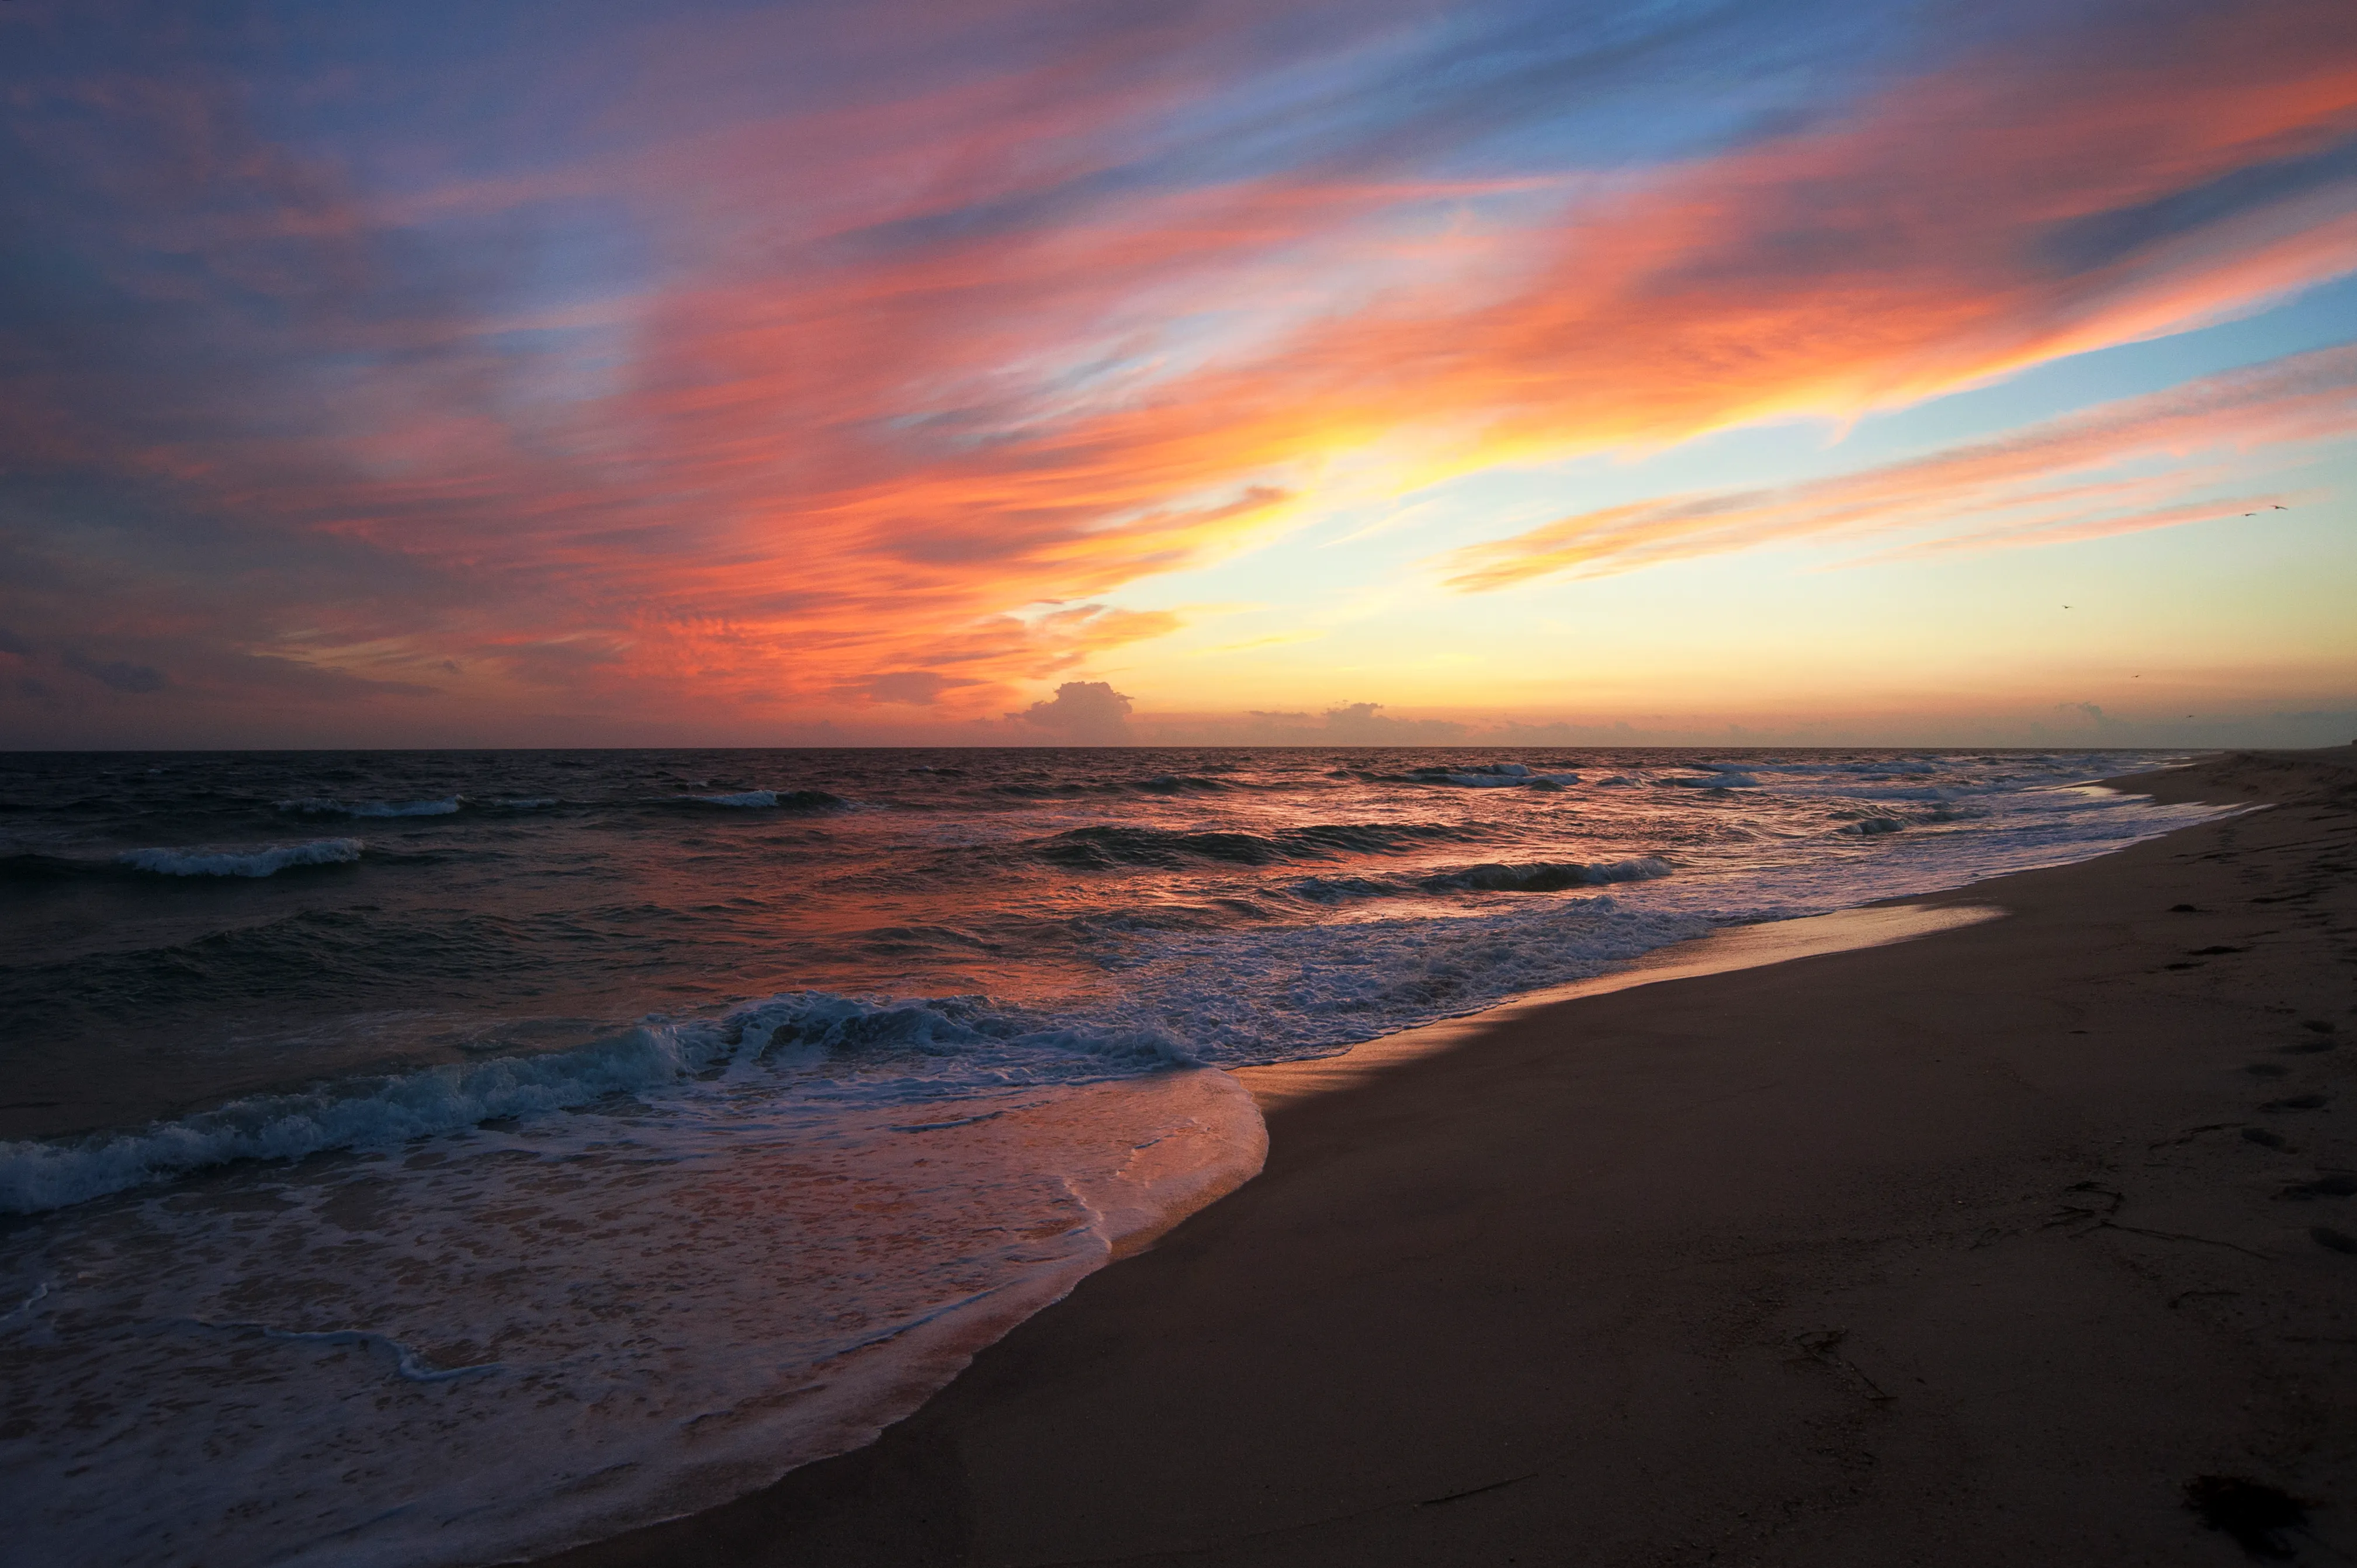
x=1083 y=713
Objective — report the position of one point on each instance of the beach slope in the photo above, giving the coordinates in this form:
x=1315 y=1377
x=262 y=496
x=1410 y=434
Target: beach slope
x=1980 y=1248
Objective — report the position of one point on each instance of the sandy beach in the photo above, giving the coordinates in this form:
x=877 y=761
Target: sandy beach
x=2008 y=1243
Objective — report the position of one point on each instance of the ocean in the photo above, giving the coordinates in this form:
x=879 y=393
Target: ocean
x=437 y=1157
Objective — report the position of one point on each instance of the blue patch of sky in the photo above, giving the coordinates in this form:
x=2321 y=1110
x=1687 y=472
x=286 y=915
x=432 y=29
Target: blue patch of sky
x=1647 y=84
x=1511 y=92
x=2315 y=319
x=1484 y=93
x=1506 y=88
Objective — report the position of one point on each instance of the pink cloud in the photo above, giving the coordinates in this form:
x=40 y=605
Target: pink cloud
x=2034 y=485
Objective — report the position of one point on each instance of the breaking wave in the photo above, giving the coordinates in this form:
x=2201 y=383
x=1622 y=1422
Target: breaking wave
x=1104 y=848
x=1550 y=877
x=1541 y=876
x=321 y=806
x=767 y=799
x=1066 y=788
x=839 y=1048
x=1492 y=776
x=266 y=861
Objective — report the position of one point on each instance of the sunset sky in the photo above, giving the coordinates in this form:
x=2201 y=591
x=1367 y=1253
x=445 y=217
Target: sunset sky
x=1009 y=372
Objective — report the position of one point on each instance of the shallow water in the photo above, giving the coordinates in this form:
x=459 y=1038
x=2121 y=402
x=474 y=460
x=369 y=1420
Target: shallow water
x=426 y=1157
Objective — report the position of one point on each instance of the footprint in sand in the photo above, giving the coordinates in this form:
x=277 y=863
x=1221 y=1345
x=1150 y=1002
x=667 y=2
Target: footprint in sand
x=2253 y=1514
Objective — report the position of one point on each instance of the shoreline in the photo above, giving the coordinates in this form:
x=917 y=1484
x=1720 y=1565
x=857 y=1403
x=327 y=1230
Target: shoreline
x=1585 y=1284
x=1878 y=923
x=1277 y=1085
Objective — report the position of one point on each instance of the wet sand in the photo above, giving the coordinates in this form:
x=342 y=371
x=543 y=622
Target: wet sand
x=1979 y=1248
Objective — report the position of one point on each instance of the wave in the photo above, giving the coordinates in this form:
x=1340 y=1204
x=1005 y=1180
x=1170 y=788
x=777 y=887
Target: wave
x=1550 y=877
x=1466 y=776
x=1105 y=848
x=1910 y=768
x=1290 y=992
x=1203 y=999
x=1491 y=776
x=1030 y=791
x=1344 y=889
x=767 y=799
x=1920 y=792
x=869 y=1049
x=1540 y=876
x=1878 y=812
x=266 y=861
x=322 y=806
x=1179 y=784
x=1160 y=784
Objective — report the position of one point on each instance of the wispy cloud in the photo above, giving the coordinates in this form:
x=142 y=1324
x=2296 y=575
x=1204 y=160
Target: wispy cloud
x=2051 y=484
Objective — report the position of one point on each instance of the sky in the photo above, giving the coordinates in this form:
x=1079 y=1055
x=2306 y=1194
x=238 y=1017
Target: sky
x=1035 y=371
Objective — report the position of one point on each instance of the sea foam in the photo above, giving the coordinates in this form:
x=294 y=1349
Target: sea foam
x=1550 y=877
x=1492 y=776
x=544 y=1337
x=765 y=800
x=1310 y=990
x=264 y=861
x=1538 y=877
x=837 y=1048
x=321 y=806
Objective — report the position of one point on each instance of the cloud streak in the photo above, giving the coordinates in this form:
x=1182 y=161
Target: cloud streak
x=2044 y=485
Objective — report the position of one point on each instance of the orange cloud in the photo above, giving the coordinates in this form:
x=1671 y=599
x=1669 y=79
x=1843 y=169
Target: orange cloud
x=1957 y=229
x=2007 y=491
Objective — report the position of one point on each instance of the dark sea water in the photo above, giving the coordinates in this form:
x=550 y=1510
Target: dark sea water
x=428 y=1157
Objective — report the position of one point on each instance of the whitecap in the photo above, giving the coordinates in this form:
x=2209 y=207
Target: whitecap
x=265 y=860
x=321 y=806
x=843 y=1048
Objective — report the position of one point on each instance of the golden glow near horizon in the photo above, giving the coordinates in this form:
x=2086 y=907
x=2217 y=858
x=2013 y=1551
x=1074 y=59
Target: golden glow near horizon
x=812 y=374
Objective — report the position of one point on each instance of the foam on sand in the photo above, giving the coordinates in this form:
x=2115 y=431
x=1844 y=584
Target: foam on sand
x=533 y=1338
